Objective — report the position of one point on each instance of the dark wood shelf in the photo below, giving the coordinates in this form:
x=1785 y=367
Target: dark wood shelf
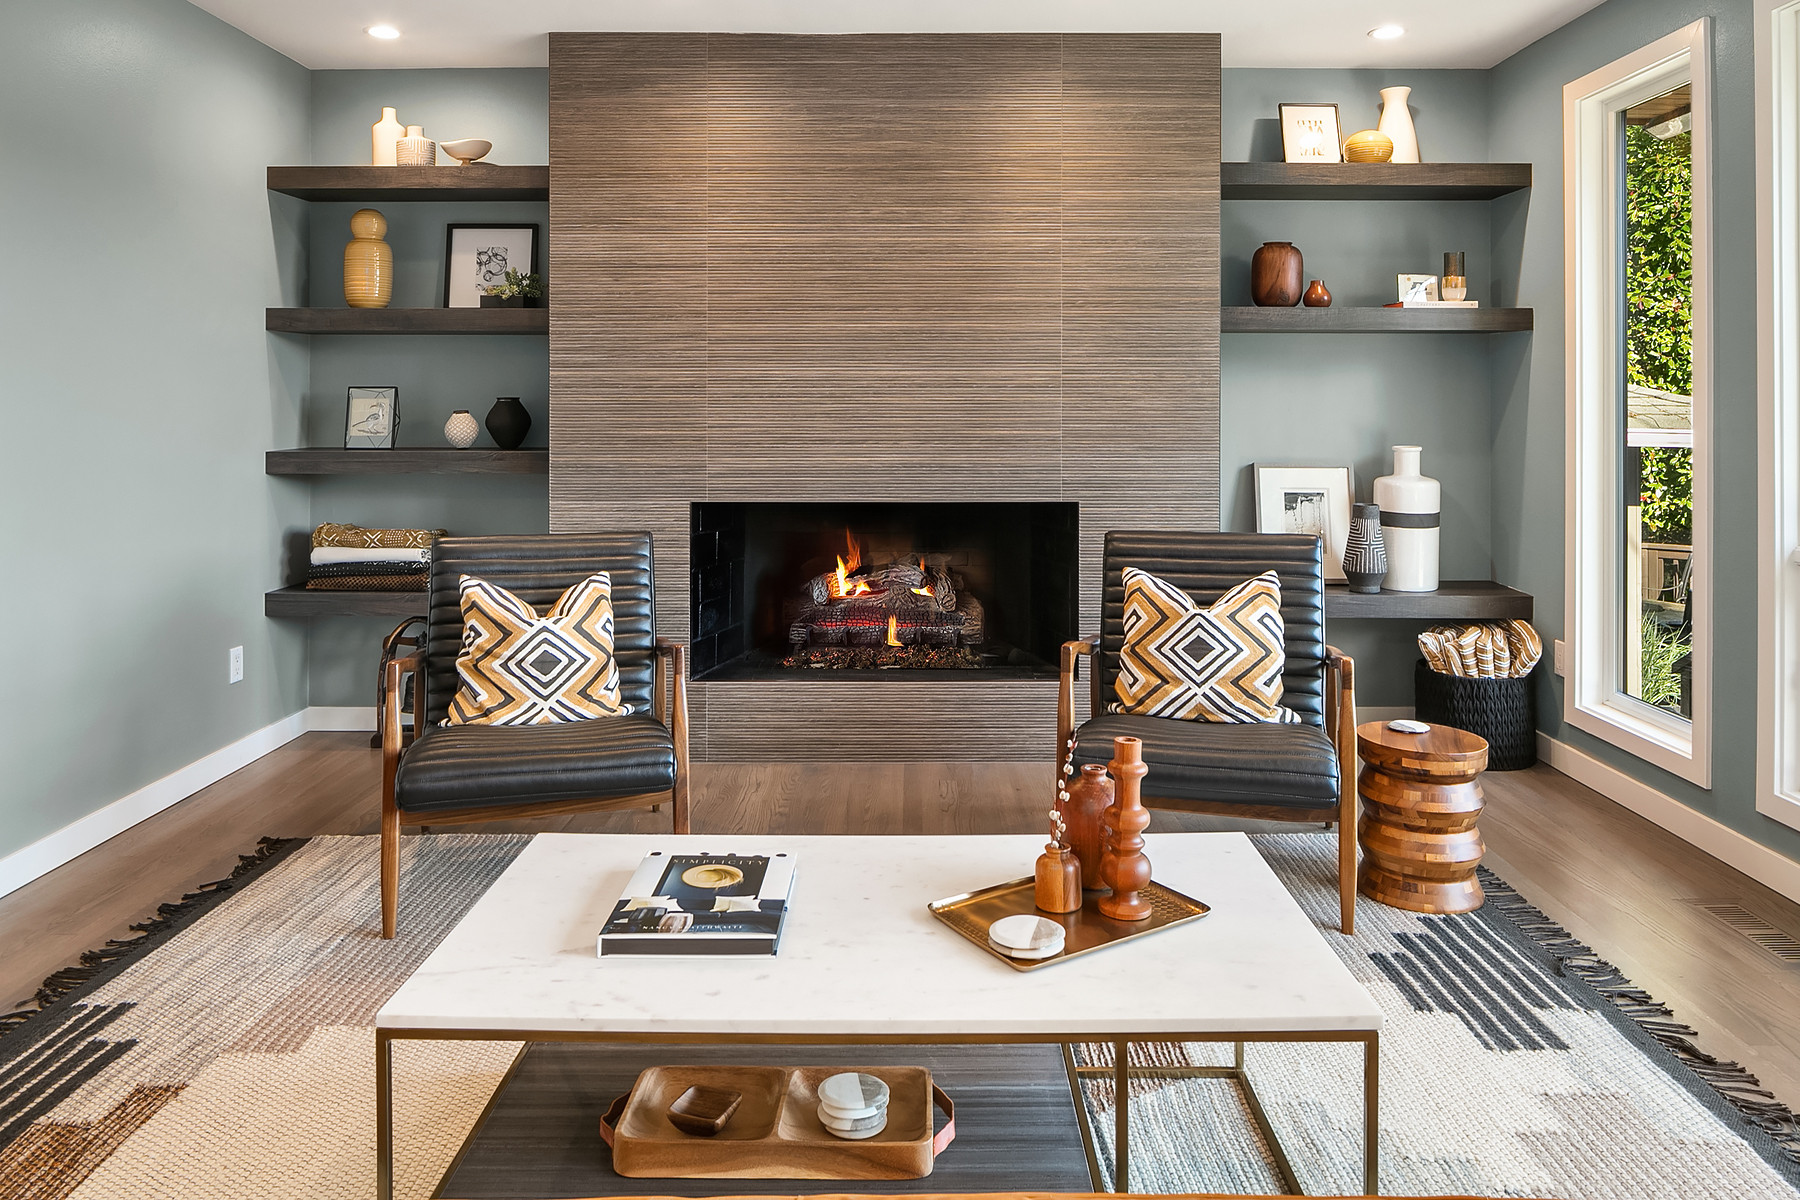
x=1375 y=320
x=408 y=320
x=1371 y=181
x=1455 y=600
x=477 y=181
x=407 y=460
x=298 y=602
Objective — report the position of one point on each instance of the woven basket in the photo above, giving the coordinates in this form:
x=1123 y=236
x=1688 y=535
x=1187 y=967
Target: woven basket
x=1504 y=711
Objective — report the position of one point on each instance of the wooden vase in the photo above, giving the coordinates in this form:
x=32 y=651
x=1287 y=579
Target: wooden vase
x=1317 y=295
x=1124 y=866
x=1090 y=794
x=368 y=262
x=1277 y=275
x=1058 y=880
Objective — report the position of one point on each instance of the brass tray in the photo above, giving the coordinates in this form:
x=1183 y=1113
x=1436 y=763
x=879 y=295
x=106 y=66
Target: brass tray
x=971 y=914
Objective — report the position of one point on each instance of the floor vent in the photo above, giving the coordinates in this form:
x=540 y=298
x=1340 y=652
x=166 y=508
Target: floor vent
x=1782 y=945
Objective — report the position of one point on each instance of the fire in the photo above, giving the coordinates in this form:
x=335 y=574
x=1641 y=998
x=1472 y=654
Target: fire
x=841 y=586
x=893 y=631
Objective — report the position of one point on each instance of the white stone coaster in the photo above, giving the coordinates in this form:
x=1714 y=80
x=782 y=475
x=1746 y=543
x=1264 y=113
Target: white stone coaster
x=850 y=1114
x=859 y=1134
x=860 y=1125
x=1404 y=725
x=1026 y=932
x=849 y=1091
x=1027 y=955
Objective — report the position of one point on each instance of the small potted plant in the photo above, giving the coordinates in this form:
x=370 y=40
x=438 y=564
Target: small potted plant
x=519 y=291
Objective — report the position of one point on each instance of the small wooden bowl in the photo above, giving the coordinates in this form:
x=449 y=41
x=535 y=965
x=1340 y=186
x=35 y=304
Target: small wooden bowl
x=704 y=1111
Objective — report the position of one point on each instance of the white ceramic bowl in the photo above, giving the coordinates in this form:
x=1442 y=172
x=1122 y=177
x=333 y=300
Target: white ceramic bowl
x=467 y=150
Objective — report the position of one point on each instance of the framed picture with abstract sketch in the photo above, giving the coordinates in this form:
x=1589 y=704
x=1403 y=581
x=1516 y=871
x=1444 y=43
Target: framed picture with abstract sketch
x=371 y=417
x=477 y=257
x=1309 y=133
x=1314 y=500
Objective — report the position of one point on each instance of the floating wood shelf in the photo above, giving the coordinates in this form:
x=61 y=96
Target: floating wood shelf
x=436 y=460
x=1371 y=181
x=478 y=181
x=1375 y=320
x=1455 y=600
x=302 y=603
x=409 y=320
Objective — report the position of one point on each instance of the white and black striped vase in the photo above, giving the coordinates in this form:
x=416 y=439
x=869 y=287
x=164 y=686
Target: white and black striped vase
x=1410 y=503
x=1365 y=553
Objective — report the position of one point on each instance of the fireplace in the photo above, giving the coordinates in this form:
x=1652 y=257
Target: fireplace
x=862 y=589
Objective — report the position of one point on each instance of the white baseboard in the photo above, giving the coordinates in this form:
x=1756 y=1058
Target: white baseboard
x=1768 y=867
x=1368 y=712
x=340 y=720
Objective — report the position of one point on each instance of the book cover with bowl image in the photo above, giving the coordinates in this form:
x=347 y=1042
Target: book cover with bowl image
x=701 y=905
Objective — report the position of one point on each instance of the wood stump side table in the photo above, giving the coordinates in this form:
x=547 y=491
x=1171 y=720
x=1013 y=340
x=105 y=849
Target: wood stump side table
x=1420 y=804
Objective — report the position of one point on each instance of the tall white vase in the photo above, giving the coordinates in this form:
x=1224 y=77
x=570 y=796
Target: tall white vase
x=382 y=136
x=1397 y=124
x=1410 y=503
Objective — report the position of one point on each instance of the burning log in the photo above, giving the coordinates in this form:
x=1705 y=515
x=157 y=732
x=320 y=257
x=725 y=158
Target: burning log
x=912 y=602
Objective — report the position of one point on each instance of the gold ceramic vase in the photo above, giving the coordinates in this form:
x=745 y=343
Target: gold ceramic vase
x=368 y=262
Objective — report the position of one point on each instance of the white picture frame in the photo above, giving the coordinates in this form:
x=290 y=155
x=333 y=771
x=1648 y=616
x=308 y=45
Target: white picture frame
x=1416 y=289
x=1312 y=500
x=1310 y=134
x=371 y=418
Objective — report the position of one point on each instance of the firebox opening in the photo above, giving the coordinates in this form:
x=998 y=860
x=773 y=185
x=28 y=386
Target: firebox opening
x=817 y=590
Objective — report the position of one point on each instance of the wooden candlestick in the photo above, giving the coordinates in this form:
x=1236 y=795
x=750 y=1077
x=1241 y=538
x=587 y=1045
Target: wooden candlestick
x=1058 y=880
x=1123 y=864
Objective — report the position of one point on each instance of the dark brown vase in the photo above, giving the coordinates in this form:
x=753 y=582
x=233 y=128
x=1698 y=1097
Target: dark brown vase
x=1277 y=275
x=1316 y=295
x=1090 y=794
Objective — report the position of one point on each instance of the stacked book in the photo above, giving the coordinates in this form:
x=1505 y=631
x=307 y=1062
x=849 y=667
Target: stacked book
x=349 y=558
x=701 y=905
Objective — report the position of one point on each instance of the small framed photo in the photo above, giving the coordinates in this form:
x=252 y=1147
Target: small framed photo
x=477 y=257
x=1313 y=500
x=371 y=415
x=1309 y=133
x=1417 y=288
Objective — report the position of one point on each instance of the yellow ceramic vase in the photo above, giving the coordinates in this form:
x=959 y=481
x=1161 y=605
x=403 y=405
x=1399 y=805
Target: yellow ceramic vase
x=1369 y=146
x=368 y=262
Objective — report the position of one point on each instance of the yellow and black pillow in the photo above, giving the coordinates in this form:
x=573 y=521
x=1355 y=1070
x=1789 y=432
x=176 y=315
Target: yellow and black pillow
x=517 y=668
x=1189 y=663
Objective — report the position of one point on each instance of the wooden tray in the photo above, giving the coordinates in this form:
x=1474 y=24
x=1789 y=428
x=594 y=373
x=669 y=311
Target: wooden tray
x=971 y=914
x=776 y=1132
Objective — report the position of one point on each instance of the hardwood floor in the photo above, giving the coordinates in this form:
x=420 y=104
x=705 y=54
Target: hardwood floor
x=1613 y=879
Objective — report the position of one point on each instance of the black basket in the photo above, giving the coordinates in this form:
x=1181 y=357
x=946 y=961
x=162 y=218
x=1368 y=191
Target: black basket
x=1504 y=711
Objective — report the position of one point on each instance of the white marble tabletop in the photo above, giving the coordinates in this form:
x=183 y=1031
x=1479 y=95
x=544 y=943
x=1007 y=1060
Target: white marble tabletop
x=861 y=955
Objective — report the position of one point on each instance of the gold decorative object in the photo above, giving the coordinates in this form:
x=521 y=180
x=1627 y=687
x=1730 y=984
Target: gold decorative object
x=1368 y=146
x=368 y=262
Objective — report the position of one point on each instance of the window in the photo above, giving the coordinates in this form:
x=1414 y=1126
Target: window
x=1637 y=230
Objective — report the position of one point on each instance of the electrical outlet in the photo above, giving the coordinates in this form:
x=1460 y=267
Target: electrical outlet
x=237 y=665
x=1562 y=657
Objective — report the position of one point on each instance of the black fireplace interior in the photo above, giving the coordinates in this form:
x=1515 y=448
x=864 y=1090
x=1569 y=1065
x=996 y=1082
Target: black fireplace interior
x=817 y=590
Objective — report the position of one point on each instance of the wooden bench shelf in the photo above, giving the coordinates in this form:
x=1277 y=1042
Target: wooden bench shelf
x=1375 y=320
x=1371 y=181
x=1455 y=600
x=302 y=603
x=362 y=185
x=408 y=320
x=421 y=460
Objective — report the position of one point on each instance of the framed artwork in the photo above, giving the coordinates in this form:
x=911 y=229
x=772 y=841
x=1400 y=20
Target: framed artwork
x=1309 y=133
x=371 y=415
x=1418 y=288
x=477 y=257
x=1313 y=500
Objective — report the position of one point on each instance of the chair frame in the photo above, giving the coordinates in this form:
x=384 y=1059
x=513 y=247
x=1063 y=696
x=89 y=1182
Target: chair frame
x=1340 y=722
x=668 y=704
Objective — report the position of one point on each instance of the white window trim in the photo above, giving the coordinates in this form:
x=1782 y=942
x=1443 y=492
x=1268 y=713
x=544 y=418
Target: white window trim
x=1592 y=234
x=1778 y=415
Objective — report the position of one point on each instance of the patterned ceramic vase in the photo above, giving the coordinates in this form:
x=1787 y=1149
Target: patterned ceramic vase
x=508 y=423
x=461 y=430
x=415 y=149
x=1365 y=553
x=1409 y=523
x=368 y=262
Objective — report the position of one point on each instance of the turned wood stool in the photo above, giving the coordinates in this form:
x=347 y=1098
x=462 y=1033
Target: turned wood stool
x=1420 y=804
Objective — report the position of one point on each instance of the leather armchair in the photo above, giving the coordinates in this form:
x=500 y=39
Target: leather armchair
x=1302 y=772
x=469 y=773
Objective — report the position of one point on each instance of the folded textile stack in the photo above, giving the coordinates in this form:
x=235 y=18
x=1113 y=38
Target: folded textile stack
x=349 y=558
x=1502 y=650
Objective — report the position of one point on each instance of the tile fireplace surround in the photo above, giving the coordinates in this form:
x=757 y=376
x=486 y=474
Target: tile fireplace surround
x=882 y=269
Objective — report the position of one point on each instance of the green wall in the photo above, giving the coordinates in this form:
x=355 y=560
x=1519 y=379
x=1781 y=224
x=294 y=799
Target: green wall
x=141 y=392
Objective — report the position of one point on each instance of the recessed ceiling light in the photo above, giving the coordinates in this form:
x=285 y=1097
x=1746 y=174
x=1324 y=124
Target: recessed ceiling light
x=1381 y=33
x=387 y=33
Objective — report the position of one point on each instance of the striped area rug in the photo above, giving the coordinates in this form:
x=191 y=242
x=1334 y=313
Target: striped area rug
x=228 y=1053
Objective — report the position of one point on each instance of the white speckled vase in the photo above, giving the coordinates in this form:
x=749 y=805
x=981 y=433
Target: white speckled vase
x=1410 y=503
x=461 y=429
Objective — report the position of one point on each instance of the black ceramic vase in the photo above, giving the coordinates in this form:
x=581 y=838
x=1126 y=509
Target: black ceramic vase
x=508 y=423
x=1365 y=551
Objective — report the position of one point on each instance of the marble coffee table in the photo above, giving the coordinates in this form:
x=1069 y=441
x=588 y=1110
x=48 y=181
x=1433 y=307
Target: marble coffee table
x=863 y=962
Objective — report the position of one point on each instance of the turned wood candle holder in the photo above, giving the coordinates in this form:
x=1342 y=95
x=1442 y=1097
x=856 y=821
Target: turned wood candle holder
x=1123 y=864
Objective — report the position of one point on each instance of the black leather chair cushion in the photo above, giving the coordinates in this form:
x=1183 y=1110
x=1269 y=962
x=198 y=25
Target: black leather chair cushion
x=474 y=766
x=1287 y=766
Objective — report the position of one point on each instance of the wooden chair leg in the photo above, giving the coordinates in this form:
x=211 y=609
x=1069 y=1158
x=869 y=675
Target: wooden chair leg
x=679 y=798
x=1347 y=859
x=390 y=870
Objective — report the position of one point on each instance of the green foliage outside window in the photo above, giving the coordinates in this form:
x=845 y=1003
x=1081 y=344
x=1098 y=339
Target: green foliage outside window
x=1659 y=294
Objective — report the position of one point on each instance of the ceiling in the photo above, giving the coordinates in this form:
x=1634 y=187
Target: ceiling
x=1258 y=33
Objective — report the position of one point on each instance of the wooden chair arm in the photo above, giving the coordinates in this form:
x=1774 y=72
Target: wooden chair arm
x=393 y=675
x=1072 y=654
x=670 y=703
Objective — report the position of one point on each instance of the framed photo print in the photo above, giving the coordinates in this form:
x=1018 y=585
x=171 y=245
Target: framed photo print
x=1417 y=288
x=1309 y=133
x=477 y=257
x=371 y=415
x=1313 y=500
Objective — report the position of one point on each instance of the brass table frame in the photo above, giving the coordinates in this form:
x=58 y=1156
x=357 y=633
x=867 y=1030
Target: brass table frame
x=1121 y=1071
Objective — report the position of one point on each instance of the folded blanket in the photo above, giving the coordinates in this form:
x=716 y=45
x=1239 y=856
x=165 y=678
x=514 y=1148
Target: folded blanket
x=1505 y=650
x=333 y=534
x=342 y=554
x=413 y=582
x=332 y=570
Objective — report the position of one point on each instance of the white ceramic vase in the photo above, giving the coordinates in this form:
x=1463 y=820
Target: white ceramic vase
x=1410 y=503
x=461 y=429
x=415 y=149
x=382 y=136
x=1397 y=124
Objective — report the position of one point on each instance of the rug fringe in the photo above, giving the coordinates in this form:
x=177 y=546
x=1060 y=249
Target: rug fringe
x=92 y=962
x=1736 y=1085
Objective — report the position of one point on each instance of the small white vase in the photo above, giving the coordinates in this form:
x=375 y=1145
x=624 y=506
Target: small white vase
x=1397 y=124
x=461 y=429
x=1410 y=503
x=382 y=136
x=415 y=149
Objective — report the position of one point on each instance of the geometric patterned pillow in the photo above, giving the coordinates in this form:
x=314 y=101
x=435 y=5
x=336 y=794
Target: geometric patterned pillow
x=517 y=668
x=1189 y=663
